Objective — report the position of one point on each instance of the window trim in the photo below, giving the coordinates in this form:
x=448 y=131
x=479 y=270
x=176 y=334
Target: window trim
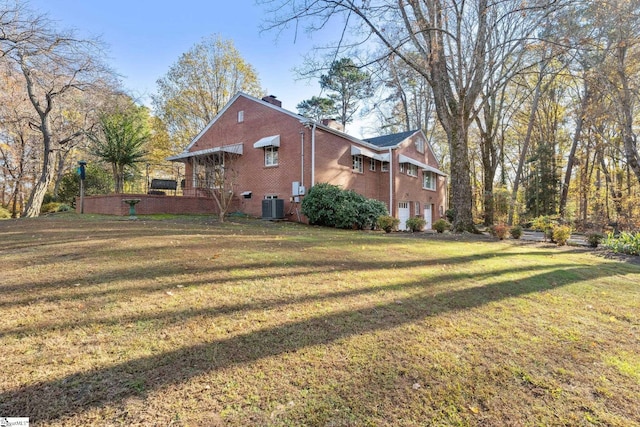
x=274 y=160
x=432 y=180
x=372 y=165
x=241 y=116
x=357 y=163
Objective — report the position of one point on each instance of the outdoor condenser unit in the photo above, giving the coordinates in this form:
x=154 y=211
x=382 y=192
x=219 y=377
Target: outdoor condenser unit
x=273 y=209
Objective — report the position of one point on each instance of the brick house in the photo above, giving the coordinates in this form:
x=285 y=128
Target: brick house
x=279 y=154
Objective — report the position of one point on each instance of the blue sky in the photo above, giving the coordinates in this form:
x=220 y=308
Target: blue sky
x=145 y=37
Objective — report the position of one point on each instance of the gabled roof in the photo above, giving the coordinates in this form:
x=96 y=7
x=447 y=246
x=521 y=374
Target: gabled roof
x=379 y=143
x=390 y=140
x=228 y=104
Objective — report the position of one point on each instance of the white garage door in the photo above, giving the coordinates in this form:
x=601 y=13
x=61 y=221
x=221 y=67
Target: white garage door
x=403 y=215
x=427 y=217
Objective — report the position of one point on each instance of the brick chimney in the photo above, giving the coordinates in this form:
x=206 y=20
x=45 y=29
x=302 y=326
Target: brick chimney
x=271 y=99
x=333 y=124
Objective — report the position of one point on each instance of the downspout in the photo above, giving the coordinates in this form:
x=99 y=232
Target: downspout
x=390 y=182
x=313 y=154
x=302 y=157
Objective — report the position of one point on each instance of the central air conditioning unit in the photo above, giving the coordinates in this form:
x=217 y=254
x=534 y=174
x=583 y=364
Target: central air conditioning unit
x=273 y=209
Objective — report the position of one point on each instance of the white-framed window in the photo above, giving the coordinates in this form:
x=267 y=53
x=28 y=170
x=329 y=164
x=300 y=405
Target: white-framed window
x=384 y=166
x=420 y=145
x=403 y=167
x=271 y=156
x=240 y=116
x=416 y=209
x=428 y=180
x=412 y=170
x=372 y=165
x=357 y=163
x=270 y=196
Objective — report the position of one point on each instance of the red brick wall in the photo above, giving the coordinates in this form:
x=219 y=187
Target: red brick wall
x=333 y=162
x=112 y=204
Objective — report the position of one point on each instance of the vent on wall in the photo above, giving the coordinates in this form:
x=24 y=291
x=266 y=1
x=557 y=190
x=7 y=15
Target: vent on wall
x=273 y=209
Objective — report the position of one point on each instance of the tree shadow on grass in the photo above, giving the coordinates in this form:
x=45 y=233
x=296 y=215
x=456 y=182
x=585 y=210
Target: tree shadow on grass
x=133 y=273
x=180 y=315
x=81 y=391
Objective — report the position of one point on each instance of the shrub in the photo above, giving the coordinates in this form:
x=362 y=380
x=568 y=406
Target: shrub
x=516 y=231
x=97 y=181
x=450 y=214
x=388 y=223
x=499 y=230
x=4 y=213
x=626 y=243
x=416 y=224
x=49 y=207
x=441 y=225
x=368 y=212
x=561 y=234
x=545 y=224
x=328 y=205
x=594 y=239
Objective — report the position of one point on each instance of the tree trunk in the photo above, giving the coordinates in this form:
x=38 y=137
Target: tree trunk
x=572 y=153
x=40 y=189
x=630 y=149
x=462 y=197
x=525 y=148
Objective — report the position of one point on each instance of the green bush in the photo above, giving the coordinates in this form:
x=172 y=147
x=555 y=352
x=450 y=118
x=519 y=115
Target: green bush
x=416 y=224
x=4 y=213
x=97 y=181
x=49 y=207
x=561 y=234
x=516 y=231
x=625 y=243
x=388 y=223
x=594 y=239
x=52 y=207
x=441 y=225
x=450 y=214
x=330 y=206
x=545 y=224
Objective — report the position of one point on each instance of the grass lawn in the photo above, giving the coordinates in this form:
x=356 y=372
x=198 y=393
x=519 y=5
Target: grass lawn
x=185 y=321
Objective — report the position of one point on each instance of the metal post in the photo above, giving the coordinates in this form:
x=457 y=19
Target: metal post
x=82 y=164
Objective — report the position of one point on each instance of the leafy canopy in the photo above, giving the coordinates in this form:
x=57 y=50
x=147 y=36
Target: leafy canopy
x=121 y=140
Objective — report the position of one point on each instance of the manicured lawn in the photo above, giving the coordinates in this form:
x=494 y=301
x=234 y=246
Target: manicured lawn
x=185 y=321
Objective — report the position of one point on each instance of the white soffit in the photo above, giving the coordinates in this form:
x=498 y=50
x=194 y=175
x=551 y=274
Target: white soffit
x=268 y=141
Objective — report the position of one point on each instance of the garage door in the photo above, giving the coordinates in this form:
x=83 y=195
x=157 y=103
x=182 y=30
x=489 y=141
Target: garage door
x=403 y=215
x=427 y=217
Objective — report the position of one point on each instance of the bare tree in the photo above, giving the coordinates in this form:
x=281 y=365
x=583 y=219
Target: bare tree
x=53 y=64
x=457 y=45
x=217 y=175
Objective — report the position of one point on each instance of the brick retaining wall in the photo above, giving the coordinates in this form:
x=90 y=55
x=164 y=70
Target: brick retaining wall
x=112 y=204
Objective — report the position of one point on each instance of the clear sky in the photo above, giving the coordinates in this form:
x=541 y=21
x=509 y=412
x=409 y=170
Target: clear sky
x=147 y=36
